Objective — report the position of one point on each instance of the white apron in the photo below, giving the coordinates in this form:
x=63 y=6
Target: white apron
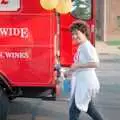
x=84 y=84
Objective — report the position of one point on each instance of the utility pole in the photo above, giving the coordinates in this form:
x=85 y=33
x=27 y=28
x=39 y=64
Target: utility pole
x=105 y=21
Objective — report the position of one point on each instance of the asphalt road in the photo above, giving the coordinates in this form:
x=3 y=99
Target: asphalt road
x=107 y=102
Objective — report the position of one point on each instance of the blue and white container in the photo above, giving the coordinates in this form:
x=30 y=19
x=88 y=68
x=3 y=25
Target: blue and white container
x=66 y=87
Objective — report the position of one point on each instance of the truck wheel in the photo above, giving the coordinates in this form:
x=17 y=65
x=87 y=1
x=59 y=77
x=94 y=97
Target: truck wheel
x=4 y=102
x=11 y=98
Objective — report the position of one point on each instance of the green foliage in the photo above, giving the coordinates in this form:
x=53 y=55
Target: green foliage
x=113 y=42
x=82 y=9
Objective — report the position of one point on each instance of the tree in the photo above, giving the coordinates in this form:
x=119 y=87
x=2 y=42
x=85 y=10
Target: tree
x=82 y=9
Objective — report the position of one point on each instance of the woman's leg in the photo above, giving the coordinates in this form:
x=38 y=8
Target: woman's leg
x=93 y=112
x=74 y=112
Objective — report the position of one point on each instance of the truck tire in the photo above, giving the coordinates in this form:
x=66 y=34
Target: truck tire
x=4 y=102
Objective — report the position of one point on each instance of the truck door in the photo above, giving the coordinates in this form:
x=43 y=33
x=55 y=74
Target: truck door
x=27 y=43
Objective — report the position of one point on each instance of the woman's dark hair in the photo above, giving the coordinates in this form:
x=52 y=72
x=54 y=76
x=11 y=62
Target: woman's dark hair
x=81 y=26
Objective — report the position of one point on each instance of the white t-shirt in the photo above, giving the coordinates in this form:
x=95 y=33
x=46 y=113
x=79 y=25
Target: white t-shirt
x=85 y=84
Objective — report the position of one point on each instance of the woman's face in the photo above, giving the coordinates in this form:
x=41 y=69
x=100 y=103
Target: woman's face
x=78 y=37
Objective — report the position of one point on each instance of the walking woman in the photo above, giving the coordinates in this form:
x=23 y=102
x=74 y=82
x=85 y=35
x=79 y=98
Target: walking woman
x=85 y=84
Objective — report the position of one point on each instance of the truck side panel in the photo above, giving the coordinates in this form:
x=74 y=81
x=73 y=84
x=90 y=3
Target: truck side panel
x=27 y=45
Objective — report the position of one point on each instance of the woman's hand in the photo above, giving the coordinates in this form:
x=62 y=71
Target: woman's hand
x=67 y=73
x=74 y=67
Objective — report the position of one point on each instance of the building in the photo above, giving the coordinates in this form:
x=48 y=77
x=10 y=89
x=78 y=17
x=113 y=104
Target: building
x=108 y=19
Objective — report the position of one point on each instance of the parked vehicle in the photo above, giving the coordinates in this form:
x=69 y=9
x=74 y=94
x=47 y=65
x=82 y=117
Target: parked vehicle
x=32 y=40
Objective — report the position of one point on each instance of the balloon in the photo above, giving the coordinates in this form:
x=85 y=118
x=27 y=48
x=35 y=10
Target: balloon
x=64 y=6
x=49 y=4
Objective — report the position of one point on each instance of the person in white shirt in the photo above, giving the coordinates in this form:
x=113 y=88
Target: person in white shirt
x=85 y=84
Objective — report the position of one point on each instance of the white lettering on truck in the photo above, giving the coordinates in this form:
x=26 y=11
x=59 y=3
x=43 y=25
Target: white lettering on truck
x=18 y=32
x=14 y=55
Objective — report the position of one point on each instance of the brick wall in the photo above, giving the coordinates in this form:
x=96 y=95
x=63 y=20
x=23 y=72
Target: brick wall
x=112 y=19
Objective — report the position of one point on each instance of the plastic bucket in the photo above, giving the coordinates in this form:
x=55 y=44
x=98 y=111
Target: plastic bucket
x=66 y=87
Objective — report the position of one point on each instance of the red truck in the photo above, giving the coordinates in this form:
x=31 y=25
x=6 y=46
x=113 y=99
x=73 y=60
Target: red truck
x=30 y=38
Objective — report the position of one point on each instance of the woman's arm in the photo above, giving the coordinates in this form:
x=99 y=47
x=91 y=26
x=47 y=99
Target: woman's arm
x=87 y=65
x=74 y=67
